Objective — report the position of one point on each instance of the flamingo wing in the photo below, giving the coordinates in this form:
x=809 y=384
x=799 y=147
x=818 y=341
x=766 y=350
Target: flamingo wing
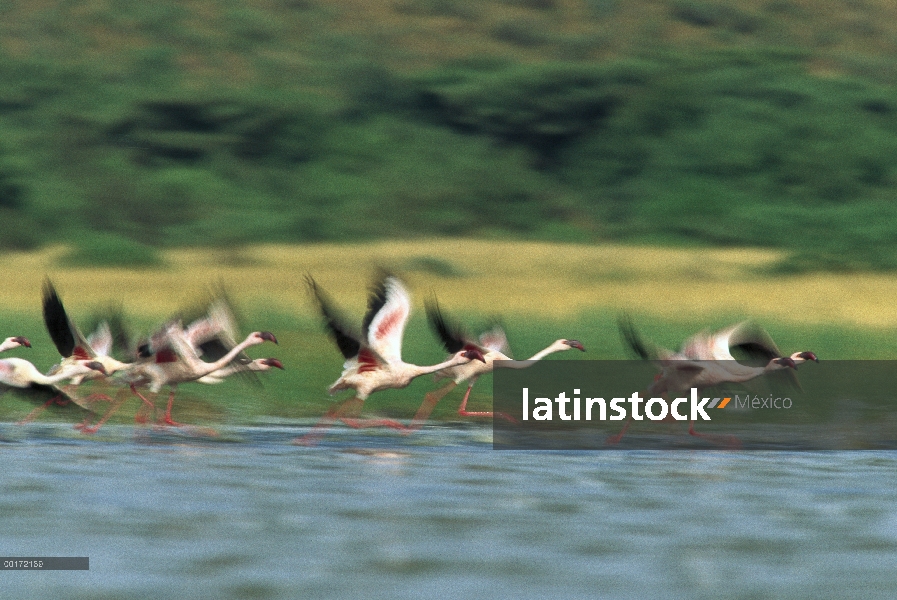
x=495 y=340
x=639 y=346
x=749 y=341
x=346 y=339
x=219 y=323
x=453 y=336
x=100 y=341
x=389 y=307
x=750 y=344
x=66 y=337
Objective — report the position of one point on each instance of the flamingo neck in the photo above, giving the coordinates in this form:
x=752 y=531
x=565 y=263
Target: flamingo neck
x=417 y=370
x=208 y=368
x=546 y=351
x=66 y=372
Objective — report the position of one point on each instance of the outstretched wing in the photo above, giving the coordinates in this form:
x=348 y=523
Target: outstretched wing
x=66 y=337
x=389 y=307
x=747 y=342
x=750 y=344
x=495 y=340
x=100 y=341
x=346 y=339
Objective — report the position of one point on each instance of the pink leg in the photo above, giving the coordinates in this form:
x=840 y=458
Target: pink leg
x=429 y=403
x=615 y=439
x=338 y=413
x=726 y=440
x=324 y=423
x=33 y=414
x=138 y=417
x=90 y=430
x=365 y=423
x=354 y=408
x=466 y=413
x=168 y=420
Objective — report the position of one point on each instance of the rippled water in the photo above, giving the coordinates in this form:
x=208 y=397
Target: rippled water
x=438 y=515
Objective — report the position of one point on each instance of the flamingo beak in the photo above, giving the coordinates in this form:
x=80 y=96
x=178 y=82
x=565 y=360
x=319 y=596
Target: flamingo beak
x=474 y=354
x=96 y=366
x=575 y=344
x=787 y=362
x=273 y=362
x=267 y=335
x=808 y=356
x=22 y=341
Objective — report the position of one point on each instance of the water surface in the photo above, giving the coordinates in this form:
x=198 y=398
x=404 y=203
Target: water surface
x=437 y=514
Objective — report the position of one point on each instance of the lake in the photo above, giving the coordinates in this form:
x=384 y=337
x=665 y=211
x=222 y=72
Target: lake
x=438 y=514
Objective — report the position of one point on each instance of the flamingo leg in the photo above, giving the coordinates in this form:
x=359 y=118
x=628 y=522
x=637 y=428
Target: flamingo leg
x=320 y=428
x=339 y=413
x=429 y=403
x=615 y=439
x=353 y=408
x=462 y=410
x=168 y=420
x=726 y=440
x=116 y=404
x=33 y=414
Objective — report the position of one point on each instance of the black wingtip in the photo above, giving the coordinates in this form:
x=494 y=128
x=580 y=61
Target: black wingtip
x=57 y=321
x=346 y=340
x=631 y=337
x=448 y=332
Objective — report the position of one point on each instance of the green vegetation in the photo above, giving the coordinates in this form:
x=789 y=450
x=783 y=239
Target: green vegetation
x=126 y=127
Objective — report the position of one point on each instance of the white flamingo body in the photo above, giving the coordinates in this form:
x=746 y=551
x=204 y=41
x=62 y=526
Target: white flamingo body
x=706 y=360
x=493 y=344
x=187 y=366
x=72 y=345
x=359 y=376
x=374 y=361
x=178 y=362
x=20 y=373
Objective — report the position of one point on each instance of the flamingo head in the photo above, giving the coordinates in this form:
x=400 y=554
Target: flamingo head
x=264 y=336
x=272 y=362
x=807 y=356
x=575 y=344
x=18 y=341
x=474 y=354
x=785 y=362
x=96 y=366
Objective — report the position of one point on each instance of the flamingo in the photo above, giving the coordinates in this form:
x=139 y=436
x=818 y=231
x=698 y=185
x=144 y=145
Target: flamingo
x=22 y=376
x=493 y=344
x=706 y=360
x=177 y=363
x=374 y=362
x=14 y=342
x=71 y=344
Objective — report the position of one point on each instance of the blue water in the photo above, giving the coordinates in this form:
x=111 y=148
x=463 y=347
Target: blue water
x=438 y=514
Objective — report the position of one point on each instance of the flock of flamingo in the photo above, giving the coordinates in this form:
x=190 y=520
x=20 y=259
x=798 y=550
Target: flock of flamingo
x=206 y=351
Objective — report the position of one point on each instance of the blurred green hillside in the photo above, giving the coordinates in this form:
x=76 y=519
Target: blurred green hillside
x=125 y=127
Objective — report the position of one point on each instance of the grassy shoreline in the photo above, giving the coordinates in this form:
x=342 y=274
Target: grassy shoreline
x=542 y=292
